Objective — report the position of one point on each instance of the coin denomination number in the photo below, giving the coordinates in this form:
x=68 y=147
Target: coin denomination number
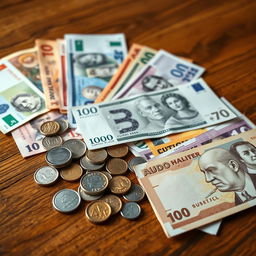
x=87 y=111
x=34 y=146
x=178 y=215
x=97 y=140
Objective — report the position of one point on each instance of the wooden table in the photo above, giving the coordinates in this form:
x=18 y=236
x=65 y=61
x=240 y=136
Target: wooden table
x=219 y=35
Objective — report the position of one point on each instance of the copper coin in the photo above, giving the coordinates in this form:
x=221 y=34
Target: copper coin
x=118 y=150
x=114 y=202
x=72 y=172
x=98 y=211
x=119 y=185
x=49 y=128
x=116 y=166
x=97 y=156
x=51 y=142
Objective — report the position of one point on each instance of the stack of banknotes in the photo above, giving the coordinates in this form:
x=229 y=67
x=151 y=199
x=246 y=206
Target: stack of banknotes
x=200 y=150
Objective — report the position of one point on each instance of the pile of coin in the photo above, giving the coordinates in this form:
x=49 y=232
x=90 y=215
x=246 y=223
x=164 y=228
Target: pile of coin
x=101 y=174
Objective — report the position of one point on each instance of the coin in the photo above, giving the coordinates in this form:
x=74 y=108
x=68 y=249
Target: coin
x=76 y=146
x=51 y=142
x=97 y=156
x=116 y=166
x=94 y=183
x=98 y=211
x=118 y=150
x=119 y=185
x=46 y=175
x=72 y=172
x=130 y=210
x=66 y=200
x=87 y=197
x=114 y=202
x=135 y=194
x=58 y=157
x=89 y=166
x=107 y=174
x=63 y=125
x=136 y=161
x=49 y=128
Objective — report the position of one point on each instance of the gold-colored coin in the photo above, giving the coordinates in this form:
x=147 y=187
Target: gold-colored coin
x=97 y=156
x=49 y=128
x=98 y=211
x=116 y=166
x=119 y=185
x=118 y=150
x=72 y=172
x=114 y=202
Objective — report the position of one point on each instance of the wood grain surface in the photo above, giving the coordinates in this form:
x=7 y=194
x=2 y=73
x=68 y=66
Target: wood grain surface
x=219 y=35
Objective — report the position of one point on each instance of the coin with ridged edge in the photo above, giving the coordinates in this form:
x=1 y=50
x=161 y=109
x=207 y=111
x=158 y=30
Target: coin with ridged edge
x=116 y=166
x=98 y=211
x=51 y=142
x=107 y=174
x=49 y=128
x=135 y=194
x=94 y=183
x=58 y=157
x=135 y=161
x=118 y=150
x=130 y=210
x=96 y=156
x=72 y=172
x=76 y=146
x=119 y=185
x=46 y=175
x=114 y=202
x=66 y=200
x=87 y=197
x=86 y=165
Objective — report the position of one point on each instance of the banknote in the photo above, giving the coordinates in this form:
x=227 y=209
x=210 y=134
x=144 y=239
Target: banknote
x=62 y=75
x=29 y=139
x=202 y=185
x=20 y=100
x=150 y=148
x=143 y=57
x=151 y=115
x=48 y=62
x=165 y=70
x=26 y=61
x=133 y=52
x=91 y=62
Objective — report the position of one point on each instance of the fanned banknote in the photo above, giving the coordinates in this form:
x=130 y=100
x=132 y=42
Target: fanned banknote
x=26 y=61
x=48 y=62
x=20 y=100
x=151 y=115
x=29 y=139
x=91 y=62
x=163 y=71
x=116 y=79
x=62 y=75
x=196 y=187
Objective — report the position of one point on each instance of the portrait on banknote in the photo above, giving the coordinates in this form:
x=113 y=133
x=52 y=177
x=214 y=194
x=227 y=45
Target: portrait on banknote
x=183 y=112
x=228 y=173
x=152 y=82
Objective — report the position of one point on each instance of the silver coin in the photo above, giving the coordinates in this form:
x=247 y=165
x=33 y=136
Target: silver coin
x=135 y=194
x=89 y=166
x=130 y=210
x=66 y=200
x=76 y=146
x=58 y=157
x=52 y=142
x=109 y=176
x=63 y=125
x=87 y=197
x=46 y=175
x=94 y=183
x=135 y=161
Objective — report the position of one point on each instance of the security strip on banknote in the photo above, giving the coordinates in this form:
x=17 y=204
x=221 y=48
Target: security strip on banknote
x=20 y=100
x=151 y=115
x=202 y=185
